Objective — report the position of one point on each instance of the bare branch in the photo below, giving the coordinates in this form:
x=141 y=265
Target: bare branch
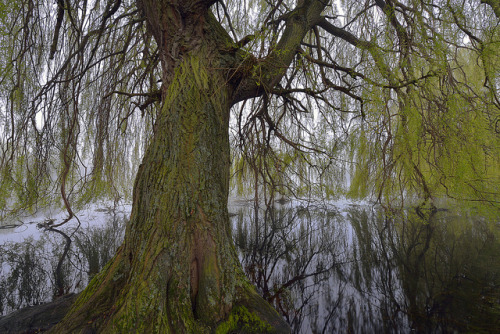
x=270 y=70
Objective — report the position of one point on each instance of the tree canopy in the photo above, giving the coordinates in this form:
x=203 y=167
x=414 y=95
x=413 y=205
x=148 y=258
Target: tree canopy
x=382 y=99
x=394 y=101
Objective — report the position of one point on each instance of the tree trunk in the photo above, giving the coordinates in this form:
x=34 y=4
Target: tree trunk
x=177 y=270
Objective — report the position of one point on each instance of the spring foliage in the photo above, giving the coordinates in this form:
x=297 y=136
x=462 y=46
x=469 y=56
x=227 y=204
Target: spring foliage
x=387 y=100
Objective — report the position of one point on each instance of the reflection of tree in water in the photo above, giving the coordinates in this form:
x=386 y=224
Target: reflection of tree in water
x=31 y=272
x=290 y=254
x=367 y=271
x=356 y=271
x=450 y=273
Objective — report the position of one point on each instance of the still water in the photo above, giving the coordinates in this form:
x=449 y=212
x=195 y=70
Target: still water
x=359 y=270
x=326 y=269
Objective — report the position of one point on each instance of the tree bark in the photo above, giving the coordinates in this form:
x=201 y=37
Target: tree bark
x=177 y=270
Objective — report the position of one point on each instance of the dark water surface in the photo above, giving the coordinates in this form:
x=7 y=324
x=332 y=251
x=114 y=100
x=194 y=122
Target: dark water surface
x=352 y=269
x=358 y=270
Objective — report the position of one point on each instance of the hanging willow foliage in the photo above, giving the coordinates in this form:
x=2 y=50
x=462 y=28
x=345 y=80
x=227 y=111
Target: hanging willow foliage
x=385 y=100
x=74 y=105
x=400 y=106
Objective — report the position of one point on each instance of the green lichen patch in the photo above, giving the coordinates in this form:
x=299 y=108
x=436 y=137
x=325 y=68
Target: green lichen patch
x=241 y=320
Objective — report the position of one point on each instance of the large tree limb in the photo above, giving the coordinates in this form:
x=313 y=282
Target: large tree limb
x=371 y=47
x=268 y=72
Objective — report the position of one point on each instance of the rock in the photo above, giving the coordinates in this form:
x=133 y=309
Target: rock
x=39 y=318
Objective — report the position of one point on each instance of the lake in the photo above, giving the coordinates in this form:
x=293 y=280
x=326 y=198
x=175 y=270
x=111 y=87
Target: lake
x=338 y=268
x=356 y=269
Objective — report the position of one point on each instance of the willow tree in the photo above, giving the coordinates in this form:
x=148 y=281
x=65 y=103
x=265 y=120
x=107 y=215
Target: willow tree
x=383 y=99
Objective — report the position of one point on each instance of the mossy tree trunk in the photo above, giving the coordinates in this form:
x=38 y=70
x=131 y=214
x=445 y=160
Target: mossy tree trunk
x=177 y=270
x=177 y=264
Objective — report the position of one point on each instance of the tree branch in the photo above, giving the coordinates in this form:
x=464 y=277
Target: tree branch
x=495 y=5
x=268 y=72
x=60 y=16
x=371 y=47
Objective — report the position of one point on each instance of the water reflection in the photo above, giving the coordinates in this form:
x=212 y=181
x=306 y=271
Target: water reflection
x=360 y=270
x=354 y=270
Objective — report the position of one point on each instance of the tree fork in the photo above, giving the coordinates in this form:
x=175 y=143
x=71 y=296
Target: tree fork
x=178 y=271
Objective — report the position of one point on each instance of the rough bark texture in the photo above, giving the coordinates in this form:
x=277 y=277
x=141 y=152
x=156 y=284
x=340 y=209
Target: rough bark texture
x=177 y=271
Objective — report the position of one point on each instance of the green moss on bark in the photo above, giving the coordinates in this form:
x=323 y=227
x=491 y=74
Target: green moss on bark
x=177 y=271
x=241 y=320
